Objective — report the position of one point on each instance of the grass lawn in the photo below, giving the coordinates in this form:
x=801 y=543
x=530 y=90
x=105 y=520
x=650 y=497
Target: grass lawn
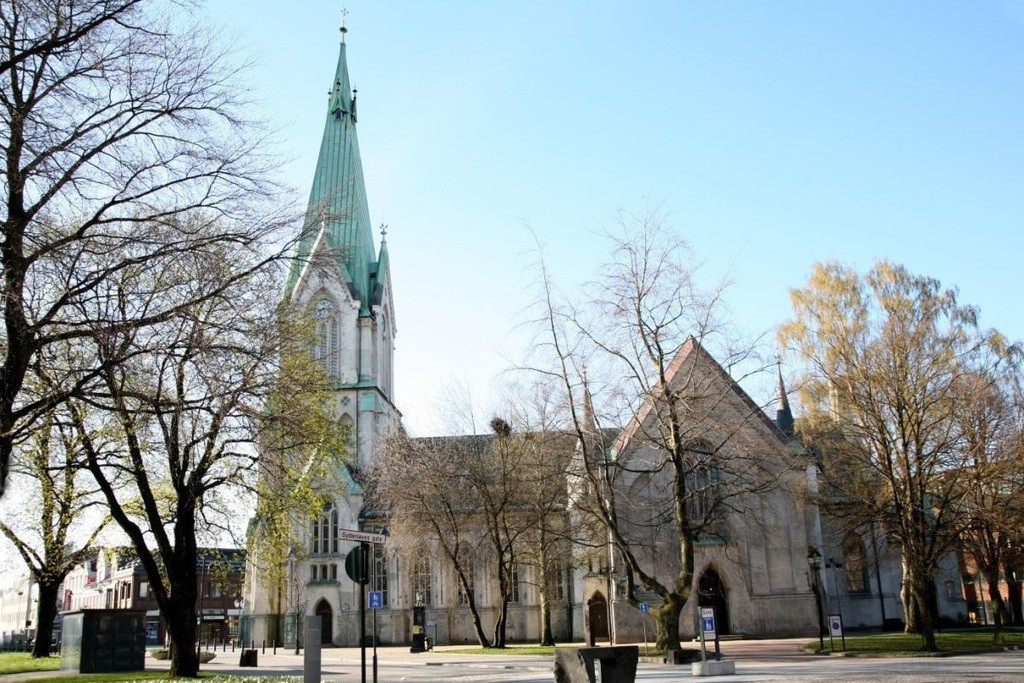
x=527 y=650
x=20 y=662
x=908 y=643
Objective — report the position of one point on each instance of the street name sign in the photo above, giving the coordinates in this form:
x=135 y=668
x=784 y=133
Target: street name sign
x=360 y=536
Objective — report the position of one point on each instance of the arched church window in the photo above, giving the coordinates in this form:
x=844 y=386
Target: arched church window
x=855 y=564
x=703 y=484
x=328 y=342
x=325 y=532
x=421 y=584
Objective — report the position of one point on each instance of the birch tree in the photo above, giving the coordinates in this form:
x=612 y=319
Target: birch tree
x=882 y=354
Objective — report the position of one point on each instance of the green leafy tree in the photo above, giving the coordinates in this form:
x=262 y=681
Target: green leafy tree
x=882 y=354
x=55 y=525
x=189 y=409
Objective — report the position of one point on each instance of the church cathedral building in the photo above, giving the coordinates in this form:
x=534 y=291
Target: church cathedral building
x=760 y=580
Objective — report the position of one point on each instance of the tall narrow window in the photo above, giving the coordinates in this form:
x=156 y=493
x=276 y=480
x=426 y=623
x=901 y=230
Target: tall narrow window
x=467 y=569
x=421 y=584
x=325 y=532
x=325 y=351
x=856 y=567
x=556 y=582
x=702 y=481
x=513 y=589
x=380 y=573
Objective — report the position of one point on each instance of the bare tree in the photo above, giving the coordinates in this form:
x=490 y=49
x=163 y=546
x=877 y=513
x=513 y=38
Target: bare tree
x=546 y=449
x=124 y=147
x=58 y=528
x=882 y=354
x=188 y=407
x=42 y=35
x=693 y=446
x=992 y=513
x=422 y=484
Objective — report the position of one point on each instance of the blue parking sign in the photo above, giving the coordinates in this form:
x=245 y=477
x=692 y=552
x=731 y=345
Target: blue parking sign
x=376 y=600
x=707 y=621
x=643 y=608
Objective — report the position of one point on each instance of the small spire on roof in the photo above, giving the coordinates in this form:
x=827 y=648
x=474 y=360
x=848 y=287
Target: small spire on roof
x=783 y=416
x=783 y=398
x=589 y=416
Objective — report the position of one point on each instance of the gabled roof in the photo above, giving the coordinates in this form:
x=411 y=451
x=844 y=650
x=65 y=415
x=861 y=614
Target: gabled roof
x=692 y=350
x=337 y=200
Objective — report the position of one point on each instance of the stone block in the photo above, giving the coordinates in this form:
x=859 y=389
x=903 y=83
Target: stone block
x=713 y=668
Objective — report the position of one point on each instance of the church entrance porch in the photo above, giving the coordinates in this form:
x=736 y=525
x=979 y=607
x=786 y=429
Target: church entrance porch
x=597 y=617
x=711 y=593
x=326 y=614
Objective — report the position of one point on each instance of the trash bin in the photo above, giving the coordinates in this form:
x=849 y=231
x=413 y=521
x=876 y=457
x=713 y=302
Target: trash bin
x=248 y=658
x=617 y=664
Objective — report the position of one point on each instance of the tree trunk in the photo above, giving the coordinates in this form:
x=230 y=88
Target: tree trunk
x=478 y=627
x=1014 y=593
x=1000 y=615
x=910 y=615
x=46 y=611
x=666 y=619
x=919 y=587
x=499 y=625
x=546 y=636
x=181 y=627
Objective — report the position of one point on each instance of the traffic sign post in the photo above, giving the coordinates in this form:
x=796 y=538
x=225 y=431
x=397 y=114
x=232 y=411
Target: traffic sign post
x=357 y=566
x=643 y=620
x=708 y=631
x=835 y=630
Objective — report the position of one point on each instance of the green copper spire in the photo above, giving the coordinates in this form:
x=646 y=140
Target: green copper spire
x=337 y=201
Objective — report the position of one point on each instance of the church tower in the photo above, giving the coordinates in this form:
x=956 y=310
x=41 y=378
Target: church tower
x=339 y=278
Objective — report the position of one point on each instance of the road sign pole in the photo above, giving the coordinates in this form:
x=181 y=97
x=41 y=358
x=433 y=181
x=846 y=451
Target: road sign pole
x=364 y=552
x=374 y=646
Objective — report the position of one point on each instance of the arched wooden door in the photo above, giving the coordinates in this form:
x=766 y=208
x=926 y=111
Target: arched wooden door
x=711 y=593
x=326 y=614
x=597 y=616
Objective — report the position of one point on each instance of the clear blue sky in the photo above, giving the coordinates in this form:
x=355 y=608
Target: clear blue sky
x=777 y=133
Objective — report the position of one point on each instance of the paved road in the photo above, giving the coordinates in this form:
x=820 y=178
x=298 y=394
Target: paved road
x=760 y=661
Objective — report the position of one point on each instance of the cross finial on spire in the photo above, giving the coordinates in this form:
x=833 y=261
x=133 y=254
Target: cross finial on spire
x=383 y=232
x=344 y=13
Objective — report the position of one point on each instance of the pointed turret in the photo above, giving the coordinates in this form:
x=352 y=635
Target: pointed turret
x=337 y=202
x=783 y=416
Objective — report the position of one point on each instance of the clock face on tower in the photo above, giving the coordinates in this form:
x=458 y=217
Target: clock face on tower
x=323 y=309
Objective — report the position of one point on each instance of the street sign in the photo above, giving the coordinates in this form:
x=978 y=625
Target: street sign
x=707 y=621
x=835 y=626
x=360 y=536
x=376 y=599
x=643 y=608
x=357 y=564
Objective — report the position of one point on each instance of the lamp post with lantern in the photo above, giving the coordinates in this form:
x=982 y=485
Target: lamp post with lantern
x=814 y=562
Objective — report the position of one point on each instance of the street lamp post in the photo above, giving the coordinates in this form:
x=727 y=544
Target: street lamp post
x=199 y=617
x=238 y=631
x=814 y=562
x=292 y=595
